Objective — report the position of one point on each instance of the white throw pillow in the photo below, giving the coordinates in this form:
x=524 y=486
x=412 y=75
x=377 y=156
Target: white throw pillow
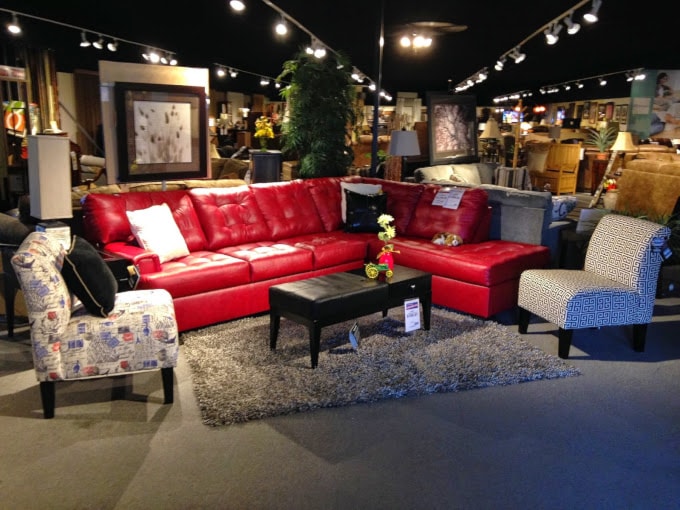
x=155 y=230
x=356 y=187
x=562 y=206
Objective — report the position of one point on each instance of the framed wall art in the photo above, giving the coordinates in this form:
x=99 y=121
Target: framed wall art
x=452 y=128
x=623 y=114
x=161 y=131
x=586 y=110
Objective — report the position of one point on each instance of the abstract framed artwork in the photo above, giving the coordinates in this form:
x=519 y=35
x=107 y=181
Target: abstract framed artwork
x=161 y=131
x=452 y=128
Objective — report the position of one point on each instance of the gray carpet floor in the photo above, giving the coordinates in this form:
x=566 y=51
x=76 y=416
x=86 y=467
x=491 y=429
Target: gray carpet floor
x=608 y=439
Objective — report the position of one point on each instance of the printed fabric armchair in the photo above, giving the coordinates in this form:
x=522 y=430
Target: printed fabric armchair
x=617 y=285
x=70 y=343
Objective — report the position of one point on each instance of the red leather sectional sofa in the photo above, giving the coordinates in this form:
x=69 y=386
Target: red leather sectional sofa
x=244 y=239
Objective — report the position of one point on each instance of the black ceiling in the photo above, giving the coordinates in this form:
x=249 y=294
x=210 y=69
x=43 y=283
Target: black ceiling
x=202 y=32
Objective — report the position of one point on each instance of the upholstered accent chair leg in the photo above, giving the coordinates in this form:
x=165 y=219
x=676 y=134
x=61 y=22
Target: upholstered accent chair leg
x=639 y=335
x=564 y=336
x=168 y=390
x=523 y=320
x=47 y=395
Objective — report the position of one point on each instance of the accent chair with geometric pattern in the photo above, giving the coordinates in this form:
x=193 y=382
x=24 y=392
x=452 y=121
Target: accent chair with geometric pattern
x=616 y=287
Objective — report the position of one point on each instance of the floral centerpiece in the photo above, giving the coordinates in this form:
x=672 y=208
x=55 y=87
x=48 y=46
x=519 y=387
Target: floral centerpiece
x=263 y=131
x=610 y=185
x=388 y=233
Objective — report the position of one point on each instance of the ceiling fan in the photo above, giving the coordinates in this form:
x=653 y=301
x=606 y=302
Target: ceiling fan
x=419 y=34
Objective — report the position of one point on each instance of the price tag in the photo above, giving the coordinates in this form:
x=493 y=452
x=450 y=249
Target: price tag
x=454 y=198
x=411 y=314
x=440 y=198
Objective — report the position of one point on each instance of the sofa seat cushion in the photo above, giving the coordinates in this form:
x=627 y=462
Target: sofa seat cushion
x=288 y=209
x=326 y=194
x=402 y=198
x=197 y=273
x=464 y=221
x=333 y=248
x=272 y=260
x=489 y=263
x=105 y=219
x=229 y=216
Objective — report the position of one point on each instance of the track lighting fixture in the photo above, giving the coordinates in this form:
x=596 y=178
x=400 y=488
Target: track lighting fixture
x=517 y=55
x=579 y=85
x=237 y=5
x=281 y=27
x=499 y=64
x=602 y=81
x=84 y=43
x=591 y=16
x=233 y=73
x=99 y=43
x=112 y=46
x=552 y=34
x=572 y=28
x=171 y=59
x=264 y=81
x=221 y=72
x=13 y=26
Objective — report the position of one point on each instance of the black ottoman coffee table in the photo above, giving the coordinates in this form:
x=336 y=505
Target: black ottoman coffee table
x=325 y=300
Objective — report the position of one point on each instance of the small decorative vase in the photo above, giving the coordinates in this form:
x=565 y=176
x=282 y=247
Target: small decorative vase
x=263 y=144
x=387 y=258
x=610 y=198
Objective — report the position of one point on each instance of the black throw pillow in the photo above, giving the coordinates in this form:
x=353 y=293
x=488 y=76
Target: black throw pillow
x=363 y=211
x=89 y=278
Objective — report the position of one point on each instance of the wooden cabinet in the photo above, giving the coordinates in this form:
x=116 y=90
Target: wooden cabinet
x=561 y=168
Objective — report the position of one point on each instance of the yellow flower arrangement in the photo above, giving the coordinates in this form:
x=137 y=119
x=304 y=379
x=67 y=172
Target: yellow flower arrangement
x=389 y=232
x=610 y=184
x=263 y=131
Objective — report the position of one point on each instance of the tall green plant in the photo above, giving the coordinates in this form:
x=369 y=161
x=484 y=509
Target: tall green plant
x=321 y=102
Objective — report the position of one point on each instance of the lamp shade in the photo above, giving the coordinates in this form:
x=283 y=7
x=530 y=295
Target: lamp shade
x=624 y=143
x=403 y=143
x=49 y=177
x=491 y=130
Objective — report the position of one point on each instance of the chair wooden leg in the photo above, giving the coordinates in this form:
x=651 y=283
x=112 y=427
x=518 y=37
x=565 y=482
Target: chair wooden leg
x=523 y=320
x=639 y=335
x=564 y=336
x=47 y=395
x=168 y=390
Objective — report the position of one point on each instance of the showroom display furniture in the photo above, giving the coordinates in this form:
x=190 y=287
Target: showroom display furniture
x=617 y=285
x=649 y=185
x=330 y=299
x=560 y=174
x=69 y=343
x=244 y=239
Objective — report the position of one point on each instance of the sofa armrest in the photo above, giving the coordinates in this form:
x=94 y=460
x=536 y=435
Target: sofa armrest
x=145 y=261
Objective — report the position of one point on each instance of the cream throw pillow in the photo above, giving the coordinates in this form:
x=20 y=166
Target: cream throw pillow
x=156 y=230
x=356 y=187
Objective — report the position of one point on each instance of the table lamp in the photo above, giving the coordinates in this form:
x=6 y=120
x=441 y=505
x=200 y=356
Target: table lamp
x=492 y=136
x=402 y=143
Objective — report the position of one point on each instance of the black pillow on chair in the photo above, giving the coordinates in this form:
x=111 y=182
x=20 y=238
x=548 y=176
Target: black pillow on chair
x=363 y=211
x=89 y=277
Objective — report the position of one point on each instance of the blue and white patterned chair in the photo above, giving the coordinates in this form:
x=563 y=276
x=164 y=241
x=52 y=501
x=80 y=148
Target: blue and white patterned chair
x=69 y=343
x=617 y=285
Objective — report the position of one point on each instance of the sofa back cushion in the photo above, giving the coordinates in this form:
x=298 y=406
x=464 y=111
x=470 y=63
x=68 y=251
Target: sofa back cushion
x=230 y=216
x=471 y=215
x=105 y=219
x=326 y=194
x=288 y=209
x=402 y=198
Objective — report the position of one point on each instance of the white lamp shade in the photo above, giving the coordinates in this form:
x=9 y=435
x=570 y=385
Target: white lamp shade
x=624 y=143
x=404 y=143
x=49 y=177
x=491 y=130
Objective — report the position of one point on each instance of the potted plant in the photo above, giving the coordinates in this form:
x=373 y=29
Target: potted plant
x=602 y=138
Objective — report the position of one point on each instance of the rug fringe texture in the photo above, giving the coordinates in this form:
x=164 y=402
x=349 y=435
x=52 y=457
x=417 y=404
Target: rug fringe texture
x=237 y=378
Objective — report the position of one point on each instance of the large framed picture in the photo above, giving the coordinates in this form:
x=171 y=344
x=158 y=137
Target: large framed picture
x=161 y=131
x=452 y=128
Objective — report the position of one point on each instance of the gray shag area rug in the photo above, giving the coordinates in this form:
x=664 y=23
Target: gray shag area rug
x=237 y=378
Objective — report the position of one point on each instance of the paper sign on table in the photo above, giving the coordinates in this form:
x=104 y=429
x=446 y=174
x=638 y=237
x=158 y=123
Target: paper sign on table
x=411 y=314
